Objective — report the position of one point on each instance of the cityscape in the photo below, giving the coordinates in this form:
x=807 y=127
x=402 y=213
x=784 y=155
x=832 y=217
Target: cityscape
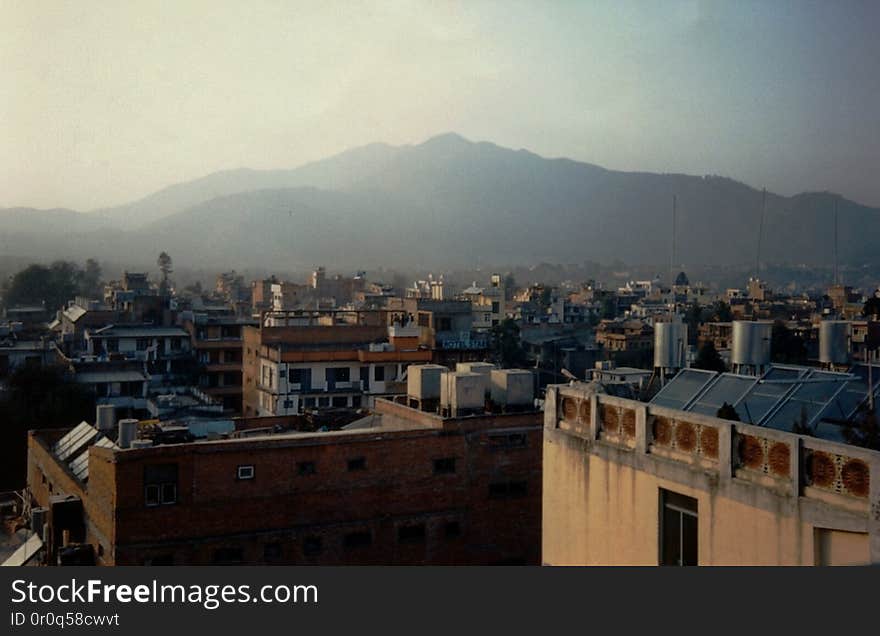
x=386 y=344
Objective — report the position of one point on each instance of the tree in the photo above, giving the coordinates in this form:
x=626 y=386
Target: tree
x=90 y=284
x=38 y=284
x=872 y=307
x=609 y=307
x=507 y=349
x=727 y=412
x=865 y=431
x=721 y=312
x=709 y=359
x=165 y=266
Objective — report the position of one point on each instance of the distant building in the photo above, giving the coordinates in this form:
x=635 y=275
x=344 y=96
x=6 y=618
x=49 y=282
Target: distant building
x=296 y=361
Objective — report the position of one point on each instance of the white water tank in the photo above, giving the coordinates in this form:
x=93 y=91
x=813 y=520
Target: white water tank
x=461 y=391
x=423 y=381
x=127 y=433
x=512 y=387
x=751 y=343
x=670 y=344
x=834 y=342
x=105 y=419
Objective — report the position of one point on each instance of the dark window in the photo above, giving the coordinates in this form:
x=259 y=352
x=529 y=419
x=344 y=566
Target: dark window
x=271 y=551
x=142 y=344
x=444 y=466
x=305 y=468
x=162 y=559
x=678 y=529
x=312 y=546
x=357 y=463
x=452 y=529
x=245 y=472
x=323 y=401
x=356 y=401
x=309 y=402
x=507 y=489
x=160 y=484
x=496 y=306
x=411 y=534
x=224 y=556
x=340 y=401
x=358 y=539
x=508 y=440
x=338 y=374
x=380 y=373
x=294 y=376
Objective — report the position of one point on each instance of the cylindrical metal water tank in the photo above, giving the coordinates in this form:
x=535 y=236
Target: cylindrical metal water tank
x=127 y=433
x=834 y=342
x=105 y=418
x=751 y=343
x=670 y=341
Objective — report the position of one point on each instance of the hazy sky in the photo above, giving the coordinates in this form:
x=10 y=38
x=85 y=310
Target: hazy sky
x=104 y=102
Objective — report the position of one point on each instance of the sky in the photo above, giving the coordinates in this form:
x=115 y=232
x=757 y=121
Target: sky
x=102 y=103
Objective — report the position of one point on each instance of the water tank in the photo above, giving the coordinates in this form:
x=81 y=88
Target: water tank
x=105 y=419
x=474 y=367
x=751 y=343
x=127 y=433
x=463 y=392
x=512 y=387
x=423 y=381
x=834 y=342
x=670 y=342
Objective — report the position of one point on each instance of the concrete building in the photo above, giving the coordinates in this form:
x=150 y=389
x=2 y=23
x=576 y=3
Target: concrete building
x=326 y=359
x=400 y=487
x=217 y=344
x=629 y=483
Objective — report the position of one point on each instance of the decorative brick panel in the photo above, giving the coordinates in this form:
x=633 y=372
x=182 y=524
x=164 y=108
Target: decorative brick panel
x=662 y=431
x=569 y=409
x=709 y=441
x=779 y=459
x=585 y=411
x=610 y=418
x=629 y=423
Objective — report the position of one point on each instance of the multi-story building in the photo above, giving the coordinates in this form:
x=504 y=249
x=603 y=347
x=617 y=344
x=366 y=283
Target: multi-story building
x=402 y=486
x=629 y=335
x=325 y=359
x=217 y=344
x=630 y=483
x=489 y=304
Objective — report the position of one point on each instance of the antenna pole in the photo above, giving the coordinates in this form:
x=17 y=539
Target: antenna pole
x=836 y=276
x=672 y=255
x=761 y=232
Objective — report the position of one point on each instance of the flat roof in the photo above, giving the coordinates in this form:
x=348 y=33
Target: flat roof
x=138 y=332
x=94 y=377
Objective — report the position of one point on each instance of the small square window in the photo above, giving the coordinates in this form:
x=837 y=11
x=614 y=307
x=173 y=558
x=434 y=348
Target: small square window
x=411 y=534
x=444 y=466
x=245 y=472
x=358 y=539
x=169 y=494
x=357 y=463
x=305 y=468
x=312 y=546
x=379 y=374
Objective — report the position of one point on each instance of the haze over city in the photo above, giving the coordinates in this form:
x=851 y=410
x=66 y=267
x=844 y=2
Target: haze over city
x=103 y=104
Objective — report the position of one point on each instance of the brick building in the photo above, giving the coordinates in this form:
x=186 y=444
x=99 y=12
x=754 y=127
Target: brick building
x=401 y=487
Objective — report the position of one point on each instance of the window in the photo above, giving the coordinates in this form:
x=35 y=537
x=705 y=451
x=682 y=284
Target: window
x=142 y=344
x=452 y=529
x=380 y=373
x=356 y=401
x=339 y=374
x=357 y=463
x=444 y=466
x=507 y=489
x=496 y=306
x=160 y=484
x=508 y=440
x=678 y=529
x=294 y=376
x=340 y=401
x=245 y=472
x=358 y=539
x=271 y=551
x=411 y=534
x=323 y=401
x=305 y=468
x=288 y=404
x=312 y=546
x=176 y=344
x=228 y=556
x=309 y=402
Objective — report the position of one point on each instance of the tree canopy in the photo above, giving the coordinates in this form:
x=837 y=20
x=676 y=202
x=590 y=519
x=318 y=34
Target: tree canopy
x=53 y=285
x=709 y=359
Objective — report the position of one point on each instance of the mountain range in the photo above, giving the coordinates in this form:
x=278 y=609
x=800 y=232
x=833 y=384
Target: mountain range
x=447 y=202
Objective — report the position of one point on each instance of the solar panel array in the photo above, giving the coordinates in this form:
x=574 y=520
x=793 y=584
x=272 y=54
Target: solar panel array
x=74 y=441
x=780 y=398
x=80 y=466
